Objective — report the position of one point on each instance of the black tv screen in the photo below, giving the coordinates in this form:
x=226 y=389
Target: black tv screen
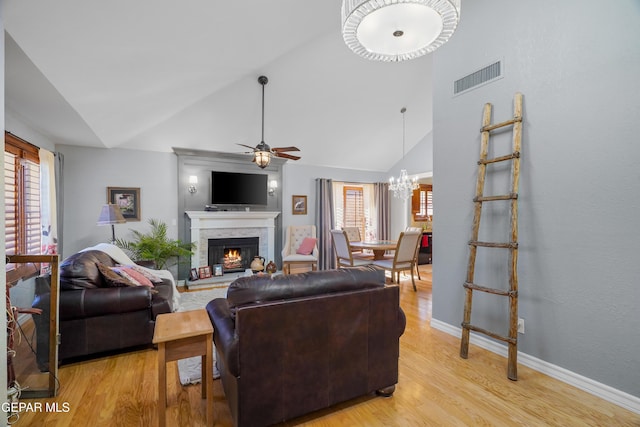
x=233 y=188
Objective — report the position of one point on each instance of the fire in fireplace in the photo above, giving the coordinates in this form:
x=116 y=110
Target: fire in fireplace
x=232 y=259
x=235 y=253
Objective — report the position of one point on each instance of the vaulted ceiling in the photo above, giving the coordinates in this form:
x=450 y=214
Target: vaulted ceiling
x=157 y=74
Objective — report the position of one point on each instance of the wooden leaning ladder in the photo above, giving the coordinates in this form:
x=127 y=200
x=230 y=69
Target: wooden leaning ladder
x=512 y=246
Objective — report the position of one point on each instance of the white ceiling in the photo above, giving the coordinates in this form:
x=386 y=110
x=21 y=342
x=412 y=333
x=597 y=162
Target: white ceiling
x=157 y=74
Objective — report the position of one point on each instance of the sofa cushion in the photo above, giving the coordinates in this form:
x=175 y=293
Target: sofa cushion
x=261 y=288
x=80 y=270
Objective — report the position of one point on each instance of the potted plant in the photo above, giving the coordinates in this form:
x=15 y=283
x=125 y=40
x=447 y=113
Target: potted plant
x=155 y=246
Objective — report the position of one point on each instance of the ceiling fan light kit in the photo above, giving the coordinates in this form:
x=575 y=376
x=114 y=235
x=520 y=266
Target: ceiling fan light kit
x=262 y=153
x=398 y=30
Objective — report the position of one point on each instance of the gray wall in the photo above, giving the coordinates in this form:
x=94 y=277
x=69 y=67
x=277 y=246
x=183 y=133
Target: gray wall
x=301 y=180
x=20 y=129
x=418 y=161
x=87 y=174
x=577 y=64
x=163 y=181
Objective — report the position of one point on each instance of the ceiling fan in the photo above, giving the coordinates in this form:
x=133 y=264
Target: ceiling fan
x=262 y=152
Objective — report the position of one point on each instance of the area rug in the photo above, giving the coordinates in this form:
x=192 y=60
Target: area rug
x=190 y=369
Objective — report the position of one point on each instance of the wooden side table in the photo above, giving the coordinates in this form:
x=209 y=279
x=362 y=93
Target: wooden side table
x=181 y=335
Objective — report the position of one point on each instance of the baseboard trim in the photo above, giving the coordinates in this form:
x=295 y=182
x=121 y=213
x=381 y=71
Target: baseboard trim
x=603 y=391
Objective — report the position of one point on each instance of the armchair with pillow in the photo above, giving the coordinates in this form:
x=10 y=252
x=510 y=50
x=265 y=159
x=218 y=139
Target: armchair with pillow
x=106 y=303
x=300 y=247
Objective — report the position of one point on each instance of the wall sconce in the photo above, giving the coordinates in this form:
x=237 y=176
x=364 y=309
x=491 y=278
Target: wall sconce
x=193 y=180
x=273 y=184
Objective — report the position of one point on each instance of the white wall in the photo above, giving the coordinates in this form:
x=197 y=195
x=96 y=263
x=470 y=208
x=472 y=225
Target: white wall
x=87 y=174
x=577 y=64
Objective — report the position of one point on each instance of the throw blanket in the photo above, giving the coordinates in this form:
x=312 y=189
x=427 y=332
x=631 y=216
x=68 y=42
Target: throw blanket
x=121 y=258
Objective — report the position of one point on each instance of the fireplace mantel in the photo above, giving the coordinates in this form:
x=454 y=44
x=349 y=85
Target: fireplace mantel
x=207 y=225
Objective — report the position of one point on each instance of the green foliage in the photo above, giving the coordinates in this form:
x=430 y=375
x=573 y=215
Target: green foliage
x=155 y=246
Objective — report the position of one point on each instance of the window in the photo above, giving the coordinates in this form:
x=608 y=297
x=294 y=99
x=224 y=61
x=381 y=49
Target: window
x=21 y=198
x=354 y=208
x=422 y=203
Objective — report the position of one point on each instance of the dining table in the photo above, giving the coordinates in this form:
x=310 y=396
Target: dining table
x=379 y=247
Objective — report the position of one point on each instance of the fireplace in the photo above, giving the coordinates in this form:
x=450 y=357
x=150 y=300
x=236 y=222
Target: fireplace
x=204 y=226
x=234 y=253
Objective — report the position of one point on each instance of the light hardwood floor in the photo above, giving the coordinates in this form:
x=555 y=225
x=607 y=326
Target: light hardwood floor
x=436 y=387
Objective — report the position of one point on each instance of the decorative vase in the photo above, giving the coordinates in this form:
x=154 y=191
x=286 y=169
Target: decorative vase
x=271 y=267
x=257 y=264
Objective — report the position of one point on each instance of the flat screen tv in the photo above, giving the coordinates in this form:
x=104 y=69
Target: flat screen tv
x=234 y=188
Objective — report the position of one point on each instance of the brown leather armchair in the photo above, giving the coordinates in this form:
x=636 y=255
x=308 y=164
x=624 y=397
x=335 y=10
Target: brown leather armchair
x=95 y=318
x=290 y=345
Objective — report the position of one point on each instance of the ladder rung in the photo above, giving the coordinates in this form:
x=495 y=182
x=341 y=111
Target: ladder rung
x=489 y=333
x=508 y=245
x=475 y=287
x=501 y=125
x=515 y=155
x=511 y=196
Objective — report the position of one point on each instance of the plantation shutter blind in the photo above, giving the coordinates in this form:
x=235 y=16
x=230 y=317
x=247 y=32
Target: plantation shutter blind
x=422 y=203
x=10 y=204
x=354 y=208
x=21 y=197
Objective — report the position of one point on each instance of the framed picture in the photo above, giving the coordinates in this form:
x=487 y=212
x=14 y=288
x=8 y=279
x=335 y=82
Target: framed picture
x=204 y=272
x=299 y=205
x=128 y=199
x=193 y=275
x=217 y=269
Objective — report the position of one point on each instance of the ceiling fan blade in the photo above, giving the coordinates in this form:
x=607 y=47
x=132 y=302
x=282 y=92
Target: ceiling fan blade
x=286 y=156
x=253 y=148
x=280 y=149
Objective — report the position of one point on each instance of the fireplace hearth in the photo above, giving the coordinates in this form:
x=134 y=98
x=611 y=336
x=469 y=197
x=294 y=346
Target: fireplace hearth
x=234 y=253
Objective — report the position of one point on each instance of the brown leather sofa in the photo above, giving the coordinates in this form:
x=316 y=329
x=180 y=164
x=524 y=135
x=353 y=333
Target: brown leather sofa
x=94 y=317
x=292 y=344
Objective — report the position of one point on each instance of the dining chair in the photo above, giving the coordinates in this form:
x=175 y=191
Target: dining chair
x=300 y=247
x=344 y=256
x=418 y=229
x=404 y=257
x=353 y=233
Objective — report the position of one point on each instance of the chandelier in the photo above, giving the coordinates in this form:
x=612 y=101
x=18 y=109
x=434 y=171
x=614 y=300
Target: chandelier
x=403 y=187
x=396 y=30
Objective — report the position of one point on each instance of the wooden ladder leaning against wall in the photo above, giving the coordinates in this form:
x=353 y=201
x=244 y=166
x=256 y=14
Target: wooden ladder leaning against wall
x=512 y=245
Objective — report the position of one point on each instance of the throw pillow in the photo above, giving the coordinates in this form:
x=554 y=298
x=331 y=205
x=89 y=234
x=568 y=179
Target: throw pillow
x=146 y=273
x=127 y=276
x=112 y=278
x=134 y=275
x=307 y=245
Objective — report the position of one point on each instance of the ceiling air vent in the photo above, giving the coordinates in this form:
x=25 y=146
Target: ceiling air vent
x=478 y=78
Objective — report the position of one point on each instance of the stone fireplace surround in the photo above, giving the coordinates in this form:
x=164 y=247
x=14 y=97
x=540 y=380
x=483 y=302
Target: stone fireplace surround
x=224 y=224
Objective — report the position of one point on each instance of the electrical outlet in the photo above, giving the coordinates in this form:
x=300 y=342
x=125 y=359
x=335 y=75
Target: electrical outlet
x=520 y=326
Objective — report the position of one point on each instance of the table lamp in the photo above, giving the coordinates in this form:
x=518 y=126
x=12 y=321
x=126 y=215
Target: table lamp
x=110 y=215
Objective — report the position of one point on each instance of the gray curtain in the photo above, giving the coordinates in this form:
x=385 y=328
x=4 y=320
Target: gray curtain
x=381 y=202
x=325 y=223
x=59 y=167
